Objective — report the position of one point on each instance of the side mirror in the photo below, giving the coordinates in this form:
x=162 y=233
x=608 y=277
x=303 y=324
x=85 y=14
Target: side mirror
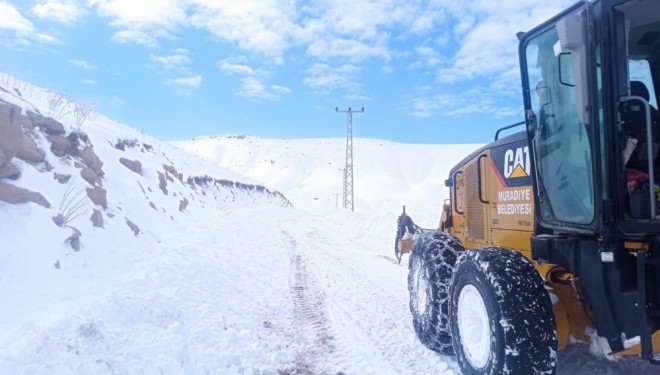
x=566 y=76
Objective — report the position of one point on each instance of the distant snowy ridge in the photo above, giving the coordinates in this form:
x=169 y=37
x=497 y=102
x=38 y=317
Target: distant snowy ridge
x=387 y=174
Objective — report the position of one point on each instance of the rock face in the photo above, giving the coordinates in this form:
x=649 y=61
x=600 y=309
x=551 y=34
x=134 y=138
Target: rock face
x=92 y=161
x=133 y=165
x=9 y=171
x=98 y=196
x=59 y=145
x=88 y=175
x=134 y=228
x=183 y=204
x=162 y=183
x=10 y=132
x=46 y=124
x=29 y=151
x=61 y=178
x=74 y=239
x=97 y=219
x=15 y=195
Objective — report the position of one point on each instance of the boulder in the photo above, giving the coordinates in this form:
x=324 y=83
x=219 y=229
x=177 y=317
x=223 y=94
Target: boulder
x=15 y=195
x=10 y=132
x=47 y=125
x=74 y=239
x=88 y=175
x=134 y=228
x=60 y=146
x=97 y=218
x=92 y=161
x=162 y=183
x=29 y=151
x=61 y=178
x=98 y=196
x=183 y=204
x=153 y=205
x=133 y=165
x=9 y=171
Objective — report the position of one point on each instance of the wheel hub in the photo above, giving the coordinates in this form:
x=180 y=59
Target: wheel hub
x=474 y=326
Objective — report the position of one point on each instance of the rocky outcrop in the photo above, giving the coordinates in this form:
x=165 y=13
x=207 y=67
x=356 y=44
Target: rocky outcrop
x=92 y=160
x=59 y=145
x=98 y=196
x=61 y=178
x=29 y=151
x=15 y=195
x=74 y=239
x=88 y=175
x=47 y=125
x=97 y=219
x=170 y=169
x=162 y=183
x=9 y=171
x=10 y=132
x=134 y=228
x=183 y=204
x=133 y=165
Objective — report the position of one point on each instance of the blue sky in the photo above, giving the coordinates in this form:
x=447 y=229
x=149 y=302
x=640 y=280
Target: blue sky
x=426 y=71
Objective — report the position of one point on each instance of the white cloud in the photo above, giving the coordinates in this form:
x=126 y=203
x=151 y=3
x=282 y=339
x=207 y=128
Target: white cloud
x=64 y=11
x=188 y=82
x=88 y=82
x=45 y=38
x=352 y=50
x=253 y=81
x=474 y=101
x=175 y=61
x=231 y=66
x=134 y=36
x=324 y=78
x=11 y=19
x=266 y=27
x=83 y=64
x=141 y=15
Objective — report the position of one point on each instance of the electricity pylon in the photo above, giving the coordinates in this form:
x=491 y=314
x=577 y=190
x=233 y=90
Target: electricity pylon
x=348 y=171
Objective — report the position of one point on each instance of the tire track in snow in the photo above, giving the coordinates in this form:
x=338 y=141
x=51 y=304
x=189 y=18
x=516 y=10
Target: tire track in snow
x=385 y=344
x=310 y=321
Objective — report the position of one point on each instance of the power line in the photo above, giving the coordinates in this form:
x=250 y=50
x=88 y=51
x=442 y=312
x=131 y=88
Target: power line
x=348 y=171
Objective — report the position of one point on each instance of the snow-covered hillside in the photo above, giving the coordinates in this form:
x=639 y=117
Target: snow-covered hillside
x=388 y=175
x=188 y=267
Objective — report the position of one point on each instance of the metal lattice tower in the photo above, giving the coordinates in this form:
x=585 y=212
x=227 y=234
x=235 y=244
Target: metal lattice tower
x=348 y=170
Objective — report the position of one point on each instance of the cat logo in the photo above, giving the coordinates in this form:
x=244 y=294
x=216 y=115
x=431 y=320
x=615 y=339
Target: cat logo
x=516 y=163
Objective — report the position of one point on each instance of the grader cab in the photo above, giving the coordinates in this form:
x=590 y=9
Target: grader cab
x=554 y=232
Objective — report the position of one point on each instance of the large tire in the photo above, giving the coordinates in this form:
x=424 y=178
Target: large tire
x=501 y=315
x=431 y=267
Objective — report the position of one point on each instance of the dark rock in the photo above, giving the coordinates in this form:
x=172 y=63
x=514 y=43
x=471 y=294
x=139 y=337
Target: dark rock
x=47 y=125
x=92 y=161
x=134 y=228
x=10 y=171
x=15 y=195
x=153 y=205
x=61 y=178
x=162 y=183
x=98 y=196
x=97 y=219
x=88 y=175
x=133 y=165
x=60 y=146
x=29 y=151
x=74 y=239
x=183 y=204
x=10 y=132
x=59 y=220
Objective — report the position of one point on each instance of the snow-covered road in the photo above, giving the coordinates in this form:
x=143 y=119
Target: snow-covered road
x=246 y=291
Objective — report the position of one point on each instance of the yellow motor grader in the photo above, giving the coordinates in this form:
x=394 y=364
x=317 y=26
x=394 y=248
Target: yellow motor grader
x=553 y=232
